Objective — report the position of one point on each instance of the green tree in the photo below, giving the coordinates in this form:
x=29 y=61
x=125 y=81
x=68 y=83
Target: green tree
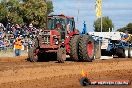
x=34 y=11
x=9 y=12
x=106 y=24
x=25 y=11
x=128 y=28
x=49 y=7
x=3 y=13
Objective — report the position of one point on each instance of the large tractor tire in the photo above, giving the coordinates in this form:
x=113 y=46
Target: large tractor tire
x=86 y=48
x=32 y=56
x=31 y=52
x=130 y=52
x=74 y=47
x=122 y=53
x=61 y=55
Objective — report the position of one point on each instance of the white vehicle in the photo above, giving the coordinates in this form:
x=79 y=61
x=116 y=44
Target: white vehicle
x=105 y=36
x=111 y=44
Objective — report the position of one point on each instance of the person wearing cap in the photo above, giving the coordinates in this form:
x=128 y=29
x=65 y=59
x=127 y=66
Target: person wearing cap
x=18 y=46
x=68 y=28
x=8 y=27
x=30 y=25
x=127 y=36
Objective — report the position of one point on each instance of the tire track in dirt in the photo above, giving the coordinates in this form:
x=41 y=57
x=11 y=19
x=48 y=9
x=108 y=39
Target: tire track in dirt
x=38 y=71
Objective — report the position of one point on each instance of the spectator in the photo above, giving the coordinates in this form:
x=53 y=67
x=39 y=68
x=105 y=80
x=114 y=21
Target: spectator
x=9 y=34
x=29 y=43
x=2 y=45
x=7 y=43
x=18 y=46
x=1 y=34
x=68 y=28
x=31 y=25
x=8 y=27
x=126 y=36
x=2 y=27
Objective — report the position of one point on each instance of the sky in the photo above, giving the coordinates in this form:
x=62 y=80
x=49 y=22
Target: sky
x=120 y=11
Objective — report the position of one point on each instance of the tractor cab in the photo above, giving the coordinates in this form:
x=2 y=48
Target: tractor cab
x=62 y=24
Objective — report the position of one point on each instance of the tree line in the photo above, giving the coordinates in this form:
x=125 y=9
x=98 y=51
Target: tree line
x=25 y=12
x=36 y=12
x=128 y=28
x=107 y=25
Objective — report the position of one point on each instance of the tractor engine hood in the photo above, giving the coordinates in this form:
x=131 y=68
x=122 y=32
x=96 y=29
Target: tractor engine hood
x=49 y=39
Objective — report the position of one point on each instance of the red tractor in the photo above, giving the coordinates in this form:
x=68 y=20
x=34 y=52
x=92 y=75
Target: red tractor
x=61 y=39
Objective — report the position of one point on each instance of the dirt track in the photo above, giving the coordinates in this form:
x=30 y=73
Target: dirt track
x=22 y=74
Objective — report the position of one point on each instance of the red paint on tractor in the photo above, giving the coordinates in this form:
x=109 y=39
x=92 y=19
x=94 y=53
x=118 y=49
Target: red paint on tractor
x=52 y=43
x=48 y=46
x=67 y=40
x=52 y=35
x=90 y=49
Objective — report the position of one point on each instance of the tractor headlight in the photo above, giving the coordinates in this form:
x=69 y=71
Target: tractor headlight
x=56 y=41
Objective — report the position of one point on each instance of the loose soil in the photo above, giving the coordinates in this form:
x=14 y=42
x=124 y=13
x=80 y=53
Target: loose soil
x=17 y=72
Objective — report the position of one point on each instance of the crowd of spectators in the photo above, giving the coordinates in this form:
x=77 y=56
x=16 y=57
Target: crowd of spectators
x=10 y=32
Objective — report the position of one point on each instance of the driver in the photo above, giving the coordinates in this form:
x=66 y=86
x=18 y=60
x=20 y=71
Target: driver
x=68 y=28
x=127 y=36
x=58 y=25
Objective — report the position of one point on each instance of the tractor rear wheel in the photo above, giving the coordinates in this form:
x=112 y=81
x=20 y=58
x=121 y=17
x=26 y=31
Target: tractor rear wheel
x=33 y=57
x=122 y=53
x=61 y=55
x=86 y=48
x=119 y=52
x=74 y=47
x=130 y=52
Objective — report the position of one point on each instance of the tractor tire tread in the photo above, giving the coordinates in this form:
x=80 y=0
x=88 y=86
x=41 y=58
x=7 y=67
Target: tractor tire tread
x=83 y=56
x=74 y=47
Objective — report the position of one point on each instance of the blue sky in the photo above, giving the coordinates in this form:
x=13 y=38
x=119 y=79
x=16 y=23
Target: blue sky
x=120 y=11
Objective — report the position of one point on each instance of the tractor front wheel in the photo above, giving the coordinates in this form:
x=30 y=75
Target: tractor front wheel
x=61 y=55
x=33 y=56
